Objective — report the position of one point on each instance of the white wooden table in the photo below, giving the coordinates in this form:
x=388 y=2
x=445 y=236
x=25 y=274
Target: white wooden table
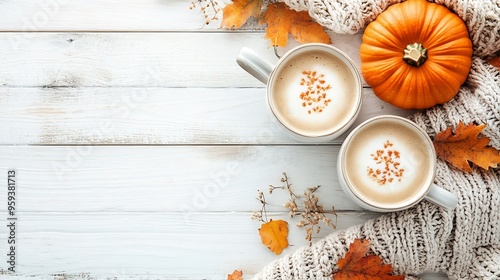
x=139 y=144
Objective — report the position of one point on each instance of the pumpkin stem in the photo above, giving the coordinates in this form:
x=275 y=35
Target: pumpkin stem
x=415 y=54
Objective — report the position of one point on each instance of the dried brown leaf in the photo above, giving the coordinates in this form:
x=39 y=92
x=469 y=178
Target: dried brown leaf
x=359 y=265
x=466 y=146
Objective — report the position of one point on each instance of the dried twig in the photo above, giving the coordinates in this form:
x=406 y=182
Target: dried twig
x=312 y=213
x=291 y=203
x=262 y=214
x=209 y=8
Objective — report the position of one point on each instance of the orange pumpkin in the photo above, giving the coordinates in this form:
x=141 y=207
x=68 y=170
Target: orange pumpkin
x=416 y=54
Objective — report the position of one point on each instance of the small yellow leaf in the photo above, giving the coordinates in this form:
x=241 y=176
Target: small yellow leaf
x=238 y=12
x=281 y=20
x=306 y=30
x=236 y=275
x=274 y=235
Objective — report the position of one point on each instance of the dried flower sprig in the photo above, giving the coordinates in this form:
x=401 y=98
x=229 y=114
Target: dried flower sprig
x=312 y=213
x=291 y=203
x=209 y=8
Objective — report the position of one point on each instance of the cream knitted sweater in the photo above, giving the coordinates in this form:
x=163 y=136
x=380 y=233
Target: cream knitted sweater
x=464 y=243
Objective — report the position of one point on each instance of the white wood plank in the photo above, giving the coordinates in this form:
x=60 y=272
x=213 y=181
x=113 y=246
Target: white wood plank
x=148 y=116
x=209 y=245
x=434 y=276
x=178 y=209
x=184 y=179
x=102 y=15
x=137 y=59
x=106 y=15
x=86 y=276
x=149 y=245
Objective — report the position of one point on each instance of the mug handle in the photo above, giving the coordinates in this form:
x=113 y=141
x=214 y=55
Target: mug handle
x=254 y=64
x=442 y=197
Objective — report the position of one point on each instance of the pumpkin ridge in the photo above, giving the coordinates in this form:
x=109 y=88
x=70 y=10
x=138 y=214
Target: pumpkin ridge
x=441 y=85
x=402 y=35
x=449 y=62
x=448 y=35
x=414 y=84
x=435 y=81
x=393 y=92
x=388 y=40
x=437 y=23
x=380 y=55
x=460 y=46
x=427 y=30
x=377 y=75
x=415 y=16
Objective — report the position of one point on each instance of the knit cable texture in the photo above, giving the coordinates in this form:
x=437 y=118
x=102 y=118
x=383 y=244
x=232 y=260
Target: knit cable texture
x=464 y=243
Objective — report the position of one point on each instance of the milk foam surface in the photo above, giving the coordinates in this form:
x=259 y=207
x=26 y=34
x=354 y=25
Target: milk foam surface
x=340 y=93
x=387 y=163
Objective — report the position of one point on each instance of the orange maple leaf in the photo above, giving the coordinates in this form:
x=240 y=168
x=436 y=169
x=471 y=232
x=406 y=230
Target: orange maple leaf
x=236 y=275
x=465 y=146
x=238 y=12
x=495 y=62
x=282 y=20
x=274 y=235
x=357 y=265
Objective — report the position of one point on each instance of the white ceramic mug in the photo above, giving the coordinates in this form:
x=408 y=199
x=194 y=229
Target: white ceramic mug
x=388 y=163
x=314 y=91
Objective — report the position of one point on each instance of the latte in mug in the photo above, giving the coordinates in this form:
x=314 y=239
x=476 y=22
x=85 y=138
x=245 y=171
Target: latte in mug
x=388 y=163
x=314 y=92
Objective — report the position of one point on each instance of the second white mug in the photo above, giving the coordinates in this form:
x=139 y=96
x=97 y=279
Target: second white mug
x=314 y=91
x=388 y=163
